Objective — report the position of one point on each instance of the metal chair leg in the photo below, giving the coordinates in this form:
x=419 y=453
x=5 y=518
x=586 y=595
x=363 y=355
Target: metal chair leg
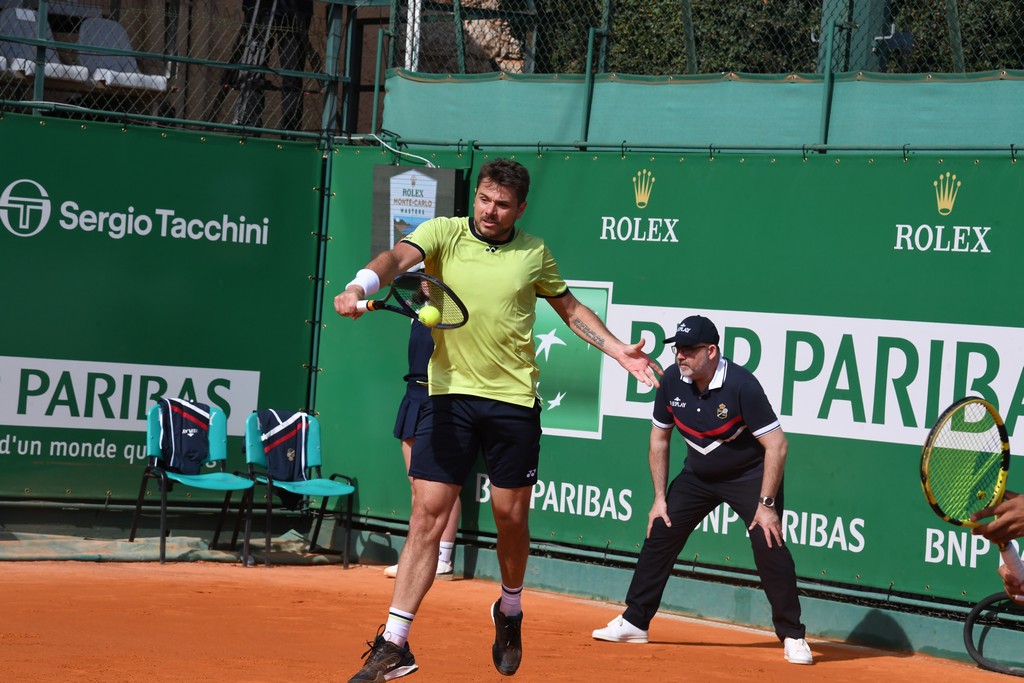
x=316 y=526
x=270 y=510
x=138 y=503
x=348 y=528
x=247 y=504
x=246 y=496
x=220 y=520
x=163 y=520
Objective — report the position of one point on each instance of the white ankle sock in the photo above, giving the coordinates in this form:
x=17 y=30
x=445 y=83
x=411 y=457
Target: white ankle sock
x=397 y=629
x=445 y=554
x=511 y=601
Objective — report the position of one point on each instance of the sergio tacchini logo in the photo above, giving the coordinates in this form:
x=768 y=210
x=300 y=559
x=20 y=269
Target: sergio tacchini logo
x=24 y=208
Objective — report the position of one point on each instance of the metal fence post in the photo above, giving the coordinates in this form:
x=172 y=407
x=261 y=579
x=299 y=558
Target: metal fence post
x=956 y=45
x=606 y=22
x=393 y=31
x=691 y=43
x=413 y=34
x=460 y=37
x=826 y=95
x=331 y=66
x=588 y=83
x=38 y=82
x=376 y=75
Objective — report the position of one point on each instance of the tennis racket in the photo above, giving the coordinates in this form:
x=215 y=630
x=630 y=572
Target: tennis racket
x=410 y=292
x=964 y=465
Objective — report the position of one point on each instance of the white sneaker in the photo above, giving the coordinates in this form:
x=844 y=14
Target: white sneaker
x=619 y=630
x=798 y=651
x=444 y=570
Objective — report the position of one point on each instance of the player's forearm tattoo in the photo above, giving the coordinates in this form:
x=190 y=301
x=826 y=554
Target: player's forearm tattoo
x=584 y=329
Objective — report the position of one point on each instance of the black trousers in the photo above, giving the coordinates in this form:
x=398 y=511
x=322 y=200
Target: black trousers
x=689 y=500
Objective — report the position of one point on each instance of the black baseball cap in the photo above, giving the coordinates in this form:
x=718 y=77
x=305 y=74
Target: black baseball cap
x=694 y=330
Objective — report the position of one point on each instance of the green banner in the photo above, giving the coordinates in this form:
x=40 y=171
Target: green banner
x=866 y=292
x=137 y=264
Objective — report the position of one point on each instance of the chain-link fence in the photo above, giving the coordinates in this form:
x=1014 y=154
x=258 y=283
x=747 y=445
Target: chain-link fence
x=260 y=64
x=666 y=37
x=252 y=63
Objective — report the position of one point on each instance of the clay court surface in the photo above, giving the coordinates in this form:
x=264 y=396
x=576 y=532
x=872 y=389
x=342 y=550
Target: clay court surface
x=201 y=621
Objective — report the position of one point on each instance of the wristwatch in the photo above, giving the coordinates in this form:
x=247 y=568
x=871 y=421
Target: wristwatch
x=767 y=501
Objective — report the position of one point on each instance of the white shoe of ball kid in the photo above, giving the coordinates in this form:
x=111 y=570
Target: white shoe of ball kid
x=619 y=630
x=797 y=651
x=444 y=570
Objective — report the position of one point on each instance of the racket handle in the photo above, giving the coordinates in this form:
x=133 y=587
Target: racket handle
x=1012 y=561
x=364 y=305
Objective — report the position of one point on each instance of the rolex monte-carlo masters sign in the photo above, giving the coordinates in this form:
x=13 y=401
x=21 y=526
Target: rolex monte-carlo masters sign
x=404 y=197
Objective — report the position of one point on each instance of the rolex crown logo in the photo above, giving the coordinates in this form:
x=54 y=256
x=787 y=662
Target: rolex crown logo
x=946 y=188
x=643 y=183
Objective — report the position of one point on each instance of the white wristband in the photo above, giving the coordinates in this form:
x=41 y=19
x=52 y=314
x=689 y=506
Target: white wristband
x=368 y=280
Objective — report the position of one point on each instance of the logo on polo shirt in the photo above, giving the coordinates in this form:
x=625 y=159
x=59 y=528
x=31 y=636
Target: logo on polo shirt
x=723 y=412
x=677 y=403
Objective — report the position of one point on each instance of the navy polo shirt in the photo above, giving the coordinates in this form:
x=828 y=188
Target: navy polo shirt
x=721 y=425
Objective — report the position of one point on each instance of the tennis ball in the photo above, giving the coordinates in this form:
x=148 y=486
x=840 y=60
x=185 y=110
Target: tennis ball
x=429 y=316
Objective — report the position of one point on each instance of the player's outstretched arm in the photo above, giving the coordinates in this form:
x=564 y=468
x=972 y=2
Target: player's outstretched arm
x=588 y=327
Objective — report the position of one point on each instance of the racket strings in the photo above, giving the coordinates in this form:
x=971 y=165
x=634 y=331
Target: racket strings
x=965 y=464
x=441 y=299
x=417 y=293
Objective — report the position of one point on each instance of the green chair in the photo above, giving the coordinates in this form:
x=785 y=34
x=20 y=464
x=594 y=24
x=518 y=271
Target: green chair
x=160 y=468
x=300 y=476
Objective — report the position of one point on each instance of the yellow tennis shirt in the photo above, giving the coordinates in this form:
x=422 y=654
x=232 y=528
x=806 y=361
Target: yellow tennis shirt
x=493 y=354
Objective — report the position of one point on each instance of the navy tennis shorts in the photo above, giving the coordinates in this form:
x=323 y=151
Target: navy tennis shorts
x=409 y=410
x=454 y=429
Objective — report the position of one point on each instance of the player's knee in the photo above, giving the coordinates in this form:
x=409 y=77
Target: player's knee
x=511 y=520
x=428 y=521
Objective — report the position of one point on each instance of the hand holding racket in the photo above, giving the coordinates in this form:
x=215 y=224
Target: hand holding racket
x=422 y=297
x=1008 y=525
x=964 y=466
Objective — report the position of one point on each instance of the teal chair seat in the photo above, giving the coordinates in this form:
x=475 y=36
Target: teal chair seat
x=311 y=487
x=214 y=481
